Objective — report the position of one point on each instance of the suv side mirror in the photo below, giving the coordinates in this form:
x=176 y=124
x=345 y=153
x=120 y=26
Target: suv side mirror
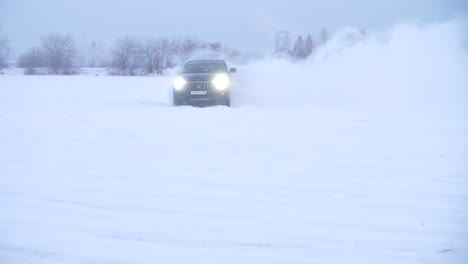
x=233 y=70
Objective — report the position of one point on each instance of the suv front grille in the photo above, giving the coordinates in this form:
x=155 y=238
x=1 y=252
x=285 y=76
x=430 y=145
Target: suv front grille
x=199 y=86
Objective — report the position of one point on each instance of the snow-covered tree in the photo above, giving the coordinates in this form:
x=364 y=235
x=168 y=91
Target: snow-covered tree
x=59 y=53
x=126 y=56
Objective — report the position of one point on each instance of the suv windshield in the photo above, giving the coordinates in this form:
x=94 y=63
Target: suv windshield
x=204 y=67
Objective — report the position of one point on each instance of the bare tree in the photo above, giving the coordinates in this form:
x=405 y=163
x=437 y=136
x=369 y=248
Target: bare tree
x=162 y=55
x=59 y=52
x=187 y=47
x=158 y=54
x=172 y=51
x=150 y=50
x=4 y=51
x=215 y=46
x=126 y=56
x=31 y=60
x=163 y=47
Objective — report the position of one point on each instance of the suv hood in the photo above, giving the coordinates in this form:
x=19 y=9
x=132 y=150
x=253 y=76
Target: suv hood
x=198 y=77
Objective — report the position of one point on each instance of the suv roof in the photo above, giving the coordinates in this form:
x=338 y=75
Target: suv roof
x=202 y=61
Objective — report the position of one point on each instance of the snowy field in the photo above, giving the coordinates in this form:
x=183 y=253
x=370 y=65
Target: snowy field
x=366 y=163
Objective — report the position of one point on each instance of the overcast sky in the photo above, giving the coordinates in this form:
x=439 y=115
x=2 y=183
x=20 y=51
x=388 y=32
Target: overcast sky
x=245 y=25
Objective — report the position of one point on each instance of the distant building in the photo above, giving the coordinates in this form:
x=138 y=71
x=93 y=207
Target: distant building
x=282 y=41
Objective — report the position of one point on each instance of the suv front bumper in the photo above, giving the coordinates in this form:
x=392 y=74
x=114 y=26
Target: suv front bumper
x=194 y=95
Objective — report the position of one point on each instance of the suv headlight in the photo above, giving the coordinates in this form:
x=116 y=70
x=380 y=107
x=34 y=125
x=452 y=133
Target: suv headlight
x=221 y=82
x=179 y=83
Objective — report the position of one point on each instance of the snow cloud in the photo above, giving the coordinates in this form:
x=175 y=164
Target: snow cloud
x=407 y=64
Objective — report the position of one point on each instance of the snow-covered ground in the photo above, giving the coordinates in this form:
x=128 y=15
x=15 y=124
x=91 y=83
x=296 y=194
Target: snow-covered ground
x=367 y=163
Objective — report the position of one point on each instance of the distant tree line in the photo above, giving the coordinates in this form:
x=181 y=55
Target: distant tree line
x=132 y=56
x=57 y=53
x=303 y=48
x=128 y=56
